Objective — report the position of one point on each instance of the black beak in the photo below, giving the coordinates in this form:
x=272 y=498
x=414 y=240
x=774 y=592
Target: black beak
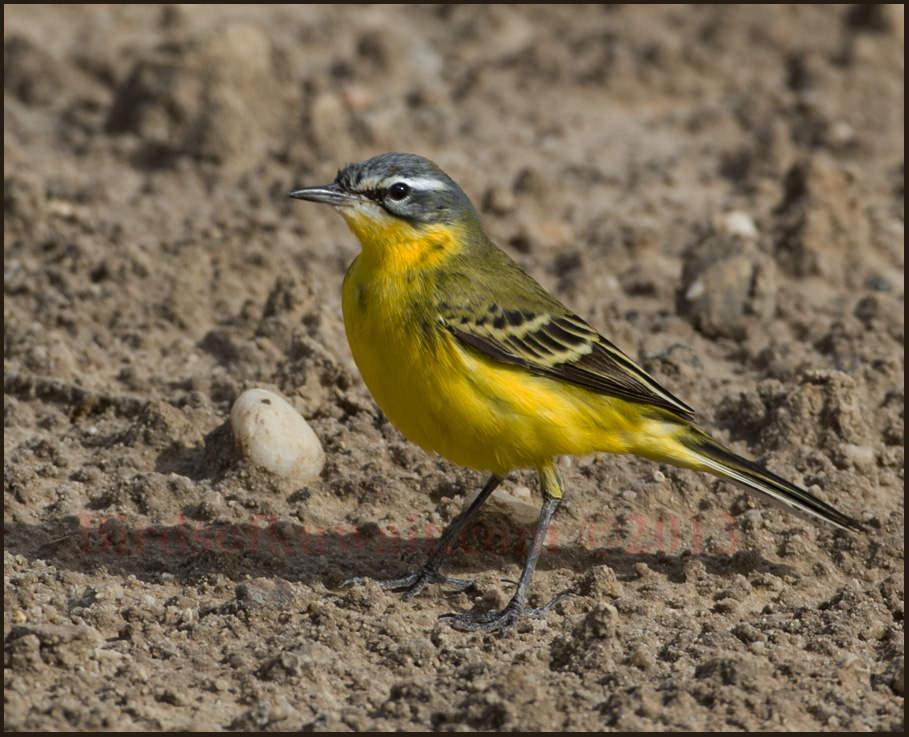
x=330 y=195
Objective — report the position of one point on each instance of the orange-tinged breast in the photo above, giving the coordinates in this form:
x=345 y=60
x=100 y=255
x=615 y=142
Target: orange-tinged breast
x=394 y=246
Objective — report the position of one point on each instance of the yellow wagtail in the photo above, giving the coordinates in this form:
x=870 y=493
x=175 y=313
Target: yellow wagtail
x=470 y=357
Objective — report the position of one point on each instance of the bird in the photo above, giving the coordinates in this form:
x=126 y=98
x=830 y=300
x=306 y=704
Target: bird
x=471 y=358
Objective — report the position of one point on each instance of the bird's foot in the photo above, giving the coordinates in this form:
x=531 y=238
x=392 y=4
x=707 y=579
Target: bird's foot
x=500 y=619
x=415 y=582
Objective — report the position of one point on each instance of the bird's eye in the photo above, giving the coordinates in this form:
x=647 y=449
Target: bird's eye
x=398 y=191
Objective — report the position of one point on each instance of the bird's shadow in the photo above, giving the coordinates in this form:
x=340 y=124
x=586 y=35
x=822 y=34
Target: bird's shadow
x=190 y=551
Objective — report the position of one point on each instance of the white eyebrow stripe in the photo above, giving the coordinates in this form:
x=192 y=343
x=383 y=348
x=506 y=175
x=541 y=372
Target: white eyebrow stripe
x=417 y=183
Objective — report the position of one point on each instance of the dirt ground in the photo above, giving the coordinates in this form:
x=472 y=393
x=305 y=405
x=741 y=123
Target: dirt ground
x=719 y=190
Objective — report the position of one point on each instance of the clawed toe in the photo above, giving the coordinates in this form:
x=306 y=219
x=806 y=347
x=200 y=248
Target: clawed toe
x=415 y=582
x=501 y=619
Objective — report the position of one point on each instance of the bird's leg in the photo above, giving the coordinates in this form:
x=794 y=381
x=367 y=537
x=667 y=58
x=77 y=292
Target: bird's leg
x=504 y=618
x=429 y=573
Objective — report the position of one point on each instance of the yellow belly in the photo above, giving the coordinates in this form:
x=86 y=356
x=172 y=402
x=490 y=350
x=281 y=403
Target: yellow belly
x=474 y=411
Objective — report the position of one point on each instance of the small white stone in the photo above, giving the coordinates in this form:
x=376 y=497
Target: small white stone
x=273 y=435
x=519 y=491
x=860 y=455
x=695 y=290
x=737 y=223
x=842 y=134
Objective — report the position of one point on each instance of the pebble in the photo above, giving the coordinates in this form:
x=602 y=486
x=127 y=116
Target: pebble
x=736 y=223
x=273 y=435
x=842 y=134
x=601 y=581
x=862 y=456
x=640 y=657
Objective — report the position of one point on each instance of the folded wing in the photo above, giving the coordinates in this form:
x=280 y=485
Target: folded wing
x=560 y=346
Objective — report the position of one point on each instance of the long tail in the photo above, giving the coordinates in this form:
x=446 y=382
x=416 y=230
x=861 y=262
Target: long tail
x=721 y=461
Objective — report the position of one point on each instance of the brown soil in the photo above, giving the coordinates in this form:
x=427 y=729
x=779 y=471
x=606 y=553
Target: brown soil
x=154 y=267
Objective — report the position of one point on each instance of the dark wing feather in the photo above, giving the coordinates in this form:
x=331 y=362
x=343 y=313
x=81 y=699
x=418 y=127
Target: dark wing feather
x=562 y=347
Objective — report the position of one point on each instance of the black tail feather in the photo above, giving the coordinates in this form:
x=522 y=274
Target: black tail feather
x=724 y=462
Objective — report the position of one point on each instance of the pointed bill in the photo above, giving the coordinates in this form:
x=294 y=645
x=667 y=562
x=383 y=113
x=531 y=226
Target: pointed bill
x=330 y=194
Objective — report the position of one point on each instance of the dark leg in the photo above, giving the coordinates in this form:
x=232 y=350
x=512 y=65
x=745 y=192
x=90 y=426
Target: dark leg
x=429 y=573
x=552 y=495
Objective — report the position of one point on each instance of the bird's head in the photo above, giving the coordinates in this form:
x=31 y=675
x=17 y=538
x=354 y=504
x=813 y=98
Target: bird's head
x=399 y=205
